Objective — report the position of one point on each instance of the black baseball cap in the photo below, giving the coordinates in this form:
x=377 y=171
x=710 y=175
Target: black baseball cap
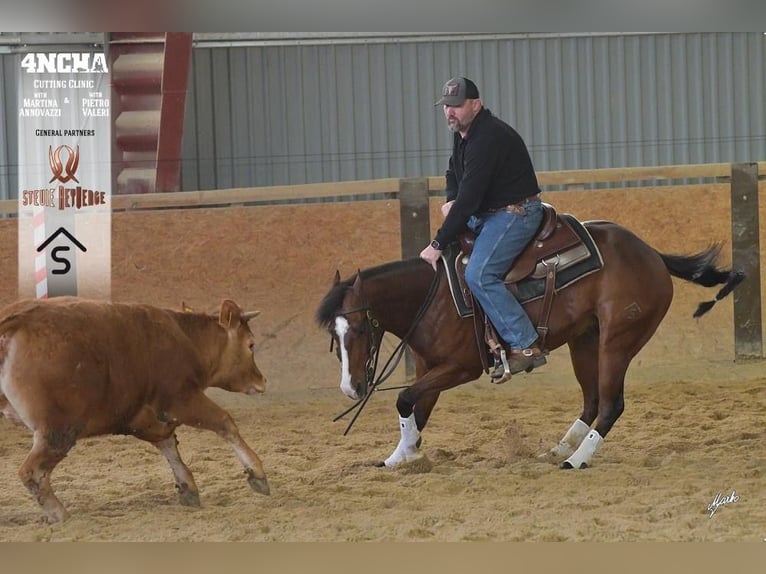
x=458 y=90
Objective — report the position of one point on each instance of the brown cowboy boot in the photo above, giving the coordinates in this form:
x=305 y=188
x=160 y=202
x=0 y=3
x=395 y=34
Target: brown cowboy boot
x=519 y=360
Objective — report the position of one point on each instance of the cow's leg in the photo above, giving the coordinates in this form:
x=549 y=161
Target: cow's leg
x=188 y=494
x=48 y=449
x=201 y=412
x=158 y=429
x=7 y=409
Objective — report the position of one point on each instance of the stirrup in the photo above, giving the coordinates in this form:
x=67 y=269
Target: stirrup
x=502 y=370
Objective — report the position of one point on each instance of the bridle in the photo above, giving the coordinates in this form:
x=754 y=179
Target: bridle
x=373 y=350
x=371 y=364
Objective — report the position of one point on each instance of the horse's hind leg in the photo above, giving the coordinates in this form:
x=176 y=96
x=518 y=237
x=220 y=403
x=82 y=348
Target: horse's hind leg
x=614 y=357
x=610 y=406
x=621 y=338
x=583 y=351
x=35 y=471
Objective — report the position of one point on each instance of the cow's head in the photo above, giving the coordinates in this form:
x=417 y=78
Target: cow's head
x=237 y=371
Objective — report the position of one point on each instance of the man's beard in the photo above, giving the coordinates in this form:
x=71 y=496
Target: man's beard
x=454 y=126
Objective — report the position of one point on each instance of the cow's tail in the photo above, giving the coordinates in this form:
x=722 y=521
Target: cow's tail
x=700 y=268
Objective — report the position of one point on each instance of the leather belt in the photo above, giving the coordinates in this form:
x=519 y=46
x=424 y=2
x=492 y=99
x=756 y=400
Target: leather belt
x=517 y=208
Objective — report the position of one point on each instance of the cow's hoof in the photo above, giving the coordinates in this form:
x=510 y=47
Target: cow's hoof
x=56 y=515
x=188 y=498
x=259 y=485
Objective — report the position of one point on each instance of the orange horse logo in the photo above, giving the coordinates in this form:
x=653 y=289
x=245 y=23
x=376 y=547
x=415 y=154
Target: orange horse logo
x=58 y=168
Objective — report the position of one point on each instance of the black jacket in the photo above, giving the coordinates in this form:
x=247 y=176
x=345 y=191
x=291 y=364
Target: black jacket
x=488 y=169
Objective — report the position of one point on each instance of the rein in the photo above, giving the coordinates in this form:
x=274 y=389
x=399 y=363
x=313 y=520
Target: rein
x=371 y=365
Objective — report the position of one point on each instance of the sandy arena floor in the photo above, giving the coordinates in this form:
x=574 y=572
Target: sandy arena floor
x=692 y=428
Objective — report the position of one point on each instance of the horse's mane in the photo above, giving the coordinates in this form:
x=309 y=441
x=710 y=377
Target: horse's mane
x=325 y=314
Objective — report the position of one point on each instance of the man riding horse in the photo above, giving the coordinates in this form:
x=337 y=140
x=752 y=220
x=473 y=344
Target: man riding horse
x=492 y=189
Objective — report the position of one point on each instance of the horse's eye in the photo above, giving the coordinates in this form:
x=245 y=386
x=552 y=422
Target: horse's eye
x=361 y=329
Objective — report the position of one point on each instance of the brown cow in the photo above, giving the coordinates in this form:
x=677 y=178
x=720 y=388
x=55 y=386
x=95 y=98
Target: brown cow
x=72 y=368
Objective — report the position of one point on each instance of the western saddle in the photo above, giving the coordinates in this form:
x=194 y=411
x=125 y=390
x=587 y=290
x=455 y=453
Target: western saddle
x=554 y=246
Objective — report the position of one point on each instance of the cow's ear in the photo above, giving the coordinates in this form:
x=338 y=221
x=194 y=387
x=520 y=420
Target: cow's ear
x=250 y=315
x=336 y=279
x=230 y=314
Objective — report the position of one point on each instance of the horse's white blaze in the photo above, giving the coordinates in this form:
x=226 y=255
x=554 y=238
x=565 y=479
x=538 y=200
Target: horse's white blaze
x=341 y=328
x=571 y=440
x=407 y=449
x=584 y=452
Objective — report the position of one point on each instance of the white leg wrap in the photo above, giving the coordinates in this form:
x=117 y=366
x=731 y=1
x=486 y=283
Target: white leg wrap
x=571 y=440
x=582 y=456
x=406 y=450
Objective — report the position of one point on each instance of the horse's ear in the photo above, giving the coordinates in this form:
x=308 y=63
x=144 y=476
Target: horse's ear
x=357 y=288
x=336 y=279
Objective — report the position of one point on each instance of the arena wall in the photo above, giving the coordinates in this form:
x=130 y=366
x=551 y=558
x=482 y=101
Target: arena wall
x=281 y=260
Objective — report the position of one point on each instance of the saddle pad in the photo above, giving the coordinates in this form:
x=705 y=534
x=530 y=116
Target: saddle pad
x=579 y=263
x=533 y=288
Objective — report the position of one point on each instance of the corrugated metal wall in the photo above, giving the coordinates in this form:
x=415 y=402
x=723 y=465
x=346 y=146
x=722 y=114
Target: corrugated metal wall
x=271 y=115
x=281 y=112
x=9 y=163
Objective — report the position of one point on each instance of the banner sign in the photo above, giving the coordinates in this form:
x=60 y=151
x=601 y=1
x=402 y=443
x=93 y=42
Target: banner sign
x=64 y=175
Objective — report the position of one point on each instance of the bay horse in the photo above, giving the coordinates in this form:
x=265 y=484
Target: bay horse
x=605 y=318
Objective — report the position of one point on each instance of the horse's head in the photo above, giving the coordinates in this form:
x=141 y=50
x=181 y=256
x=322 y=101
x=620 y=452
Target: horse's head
x=355 y=332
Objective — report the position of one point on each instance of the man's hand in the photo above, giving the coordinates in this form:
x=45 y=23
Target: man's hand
x=446 y=207
x=431 y=255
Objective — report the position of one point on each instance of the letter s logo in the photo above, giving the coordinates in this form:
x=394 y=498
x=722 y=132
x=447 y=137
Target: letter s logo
x=57 y=259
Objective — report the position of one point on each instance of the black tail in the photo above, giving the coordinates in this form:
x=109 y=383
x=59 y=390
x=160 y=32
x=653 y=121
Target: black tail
x=700 y=269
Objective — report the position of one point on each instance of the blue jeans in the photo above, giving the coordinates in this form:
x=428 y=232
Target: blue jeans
x=502 y=236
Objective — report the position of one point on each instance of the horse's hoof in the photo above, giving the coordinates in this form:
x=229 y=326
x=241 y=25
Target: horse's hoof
x=566 y=465
x=548 y=457
x=378 y=464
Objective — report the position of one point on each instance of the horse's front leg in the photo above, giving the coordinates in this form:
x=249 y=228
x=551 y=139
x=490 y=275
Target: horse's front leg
x=415 y=404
